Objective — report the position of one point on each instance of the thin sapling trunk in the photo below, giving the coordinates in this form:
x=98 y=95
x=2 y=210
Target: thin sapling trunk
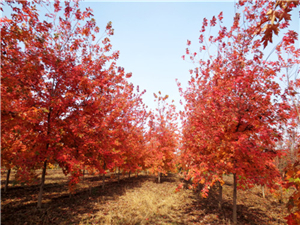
x=103 y=177
x=7 y=180
x=220 y=195
x=42 y=185
x=234 y=199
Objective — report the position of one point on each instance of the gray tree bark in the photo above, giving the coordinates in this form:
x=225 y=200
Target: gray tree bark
x=42 y=185
x=103 y=177
x=220 y=195
x=7 y=180
x=83 y=173
x=234 y=199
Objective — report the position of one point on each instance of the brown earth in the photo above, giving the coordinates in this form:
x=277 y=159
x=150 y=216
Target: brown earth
x=135 y=200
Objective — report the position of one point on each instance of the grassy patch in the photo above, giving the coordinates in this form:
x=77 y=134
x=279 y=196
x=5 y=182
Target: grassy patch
x=138 y=200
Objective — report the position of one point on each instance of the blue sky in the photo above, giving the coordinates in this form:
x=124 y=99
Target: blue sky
x=152 y=37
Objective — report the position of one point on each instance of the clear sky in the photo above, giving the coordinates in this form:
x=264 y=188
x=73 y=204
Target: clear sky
x=152 y=37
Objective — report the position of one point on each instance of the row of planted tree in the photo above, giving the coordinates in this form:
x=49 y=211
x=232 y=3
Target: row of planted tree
x=238 y=118
x=66 y=102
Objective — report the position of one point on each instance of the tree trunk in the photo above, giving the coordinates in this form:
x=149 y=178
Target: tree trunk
x=263 y=191
x=7 y=180
x=83 y=172
x=118 y=174
x=280 y=195
x=129 y=174
x=42 y=185
x=158 y=177
x=220 y=195
x=103 y=178
x=234 y=199
x=39 y=205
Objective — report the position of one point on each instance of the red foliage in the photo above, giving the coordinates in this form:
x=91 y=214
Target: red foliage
x=234 y=107
x=64 y=100
x=162 y=137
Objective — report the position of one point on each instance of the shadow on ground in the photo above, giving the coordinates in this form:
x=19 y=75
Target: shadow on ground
x=206 y=210
x=92 y=203
x=18 y=205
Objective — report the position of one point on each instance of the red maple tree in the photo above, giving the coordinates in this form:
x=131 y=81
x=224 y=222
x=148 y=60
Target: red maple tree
x=233 y=107
x=162 y=138
x=65 y=92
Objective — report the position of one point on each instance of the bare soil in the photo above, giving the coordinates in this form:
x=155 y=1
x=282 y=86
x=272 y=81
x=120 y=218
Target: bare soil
x=135 y=200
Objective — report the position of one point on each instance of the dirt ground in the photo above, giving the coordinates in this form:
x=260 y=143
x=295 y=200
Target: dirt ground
x=135 y=200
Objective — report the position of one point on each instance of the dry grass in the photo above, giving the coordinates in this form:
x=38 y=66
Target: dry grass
x=148 y=204
x=138 y=200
